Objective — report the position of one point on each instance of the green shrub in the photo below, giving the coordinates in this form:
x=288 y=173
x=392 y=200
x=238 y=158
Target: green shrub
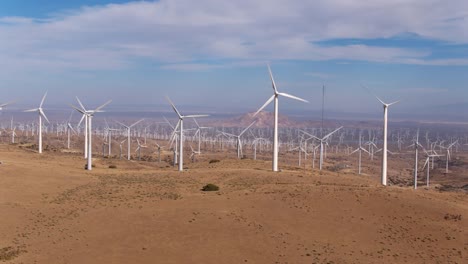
x=210 y=188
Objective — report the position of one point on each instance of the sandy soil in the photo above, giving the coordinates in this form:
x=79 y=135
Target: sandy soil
x=53 y=211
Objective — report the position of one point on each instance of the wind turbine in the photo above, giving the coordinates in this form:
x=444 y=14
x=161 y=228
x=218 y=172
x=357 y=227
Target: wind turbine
x=198 y=131
x=322 y=141
x=69 y=130
x=238 y=140
x=89 y=114
x=192 y=156
x=85 y=118
x=159 y=152
x=120 y=155
x=385 y=135
x=128 y=135
x=138 y=150
x=274 y=97
x=449 y=155
x=109 y=137
x=360 y=149
x=427 y=163
x=416 y=150
x=41 y=113
x=181 y=132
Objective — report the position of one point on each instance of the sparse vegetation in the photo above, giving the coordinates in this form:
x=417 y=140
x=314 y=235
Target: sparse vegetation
x=454 y=217
x=210 y=188
x=9 y=253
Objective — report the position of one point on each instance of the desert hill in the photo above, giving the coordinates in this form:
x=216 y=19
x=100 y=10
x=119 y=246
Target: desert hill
x=53 y=211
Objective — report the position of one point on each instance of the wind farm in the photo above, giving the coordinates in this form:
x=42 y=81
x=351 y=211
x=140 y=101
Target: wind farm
x=152 y=142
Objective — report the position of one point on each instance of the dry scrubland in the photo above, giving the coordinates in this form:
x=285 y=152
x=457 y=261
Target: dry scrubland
x=53 y=211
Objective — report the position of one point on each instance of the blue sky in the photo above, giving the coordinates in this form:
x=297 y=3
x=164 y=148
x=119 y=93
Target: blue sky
x=213 y=54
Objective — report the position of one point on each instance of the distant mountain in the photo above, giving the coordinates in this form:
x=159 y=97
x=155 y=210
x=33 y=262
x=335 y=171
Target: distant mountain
x=264 y=119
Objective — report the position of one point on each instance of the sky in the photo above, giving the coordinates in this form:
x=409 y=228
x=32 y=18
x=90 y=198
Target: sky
x=212 y=54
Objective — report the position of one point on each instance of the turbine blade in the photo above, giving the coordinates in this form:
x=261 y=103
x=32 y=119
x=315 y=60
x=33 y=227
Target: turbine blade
x=43 y=98
x=312 y=136
x=122 y=124
x=197 y=116
x=293 y=97
x=77 y=109
x=167 y=121
x=79 y=102
x=380 y=100
x=393 y=103
x=264 y=105
x=425 y=163
x=100 y=107
x=43 y=115
x=356 y=150
x=82 y=118
x=195 y=120
x=243 y=131
x=71 y=128
x=329 y=134
x=31 y=110
x=5 y=104
x=136 y=122
x=365 y=150
x=273 y=84
x=173 y=107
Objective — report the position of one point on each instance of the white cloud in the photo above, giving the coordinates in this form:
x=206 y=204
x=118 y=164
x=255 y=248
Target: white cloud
x=179 y=32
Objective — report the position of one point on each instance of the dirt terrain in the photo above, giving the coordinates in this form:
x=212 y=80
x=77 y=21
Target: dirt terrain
x=53 y=211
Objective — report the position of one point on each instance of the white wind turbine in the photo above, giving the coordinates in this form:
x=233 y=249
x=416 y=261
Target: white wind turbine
x=123 y=141
x=274 y=97
x=89 y=116
x=109 y=138
x=128 y=135
x=322 y=142
x=85 y=118
x=449 y=155
x=416 y=145
x=238 y=140
x=359 y=149
x=181 y=132
x=428 y=163
x=41 y=113
x=69 y=130
x=138 y=149
x=385 y=135
x=198 y=131
x=192 y=156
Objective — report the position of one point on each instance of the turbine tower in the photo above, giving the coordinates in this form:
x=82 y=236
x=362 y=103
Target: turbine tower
x=41 y=113
x=274 y=97
x=181 y=132
x=385 y=135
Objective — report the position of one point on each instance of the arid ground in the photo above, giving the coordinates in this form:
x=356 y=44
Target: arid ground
x=53 y=211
